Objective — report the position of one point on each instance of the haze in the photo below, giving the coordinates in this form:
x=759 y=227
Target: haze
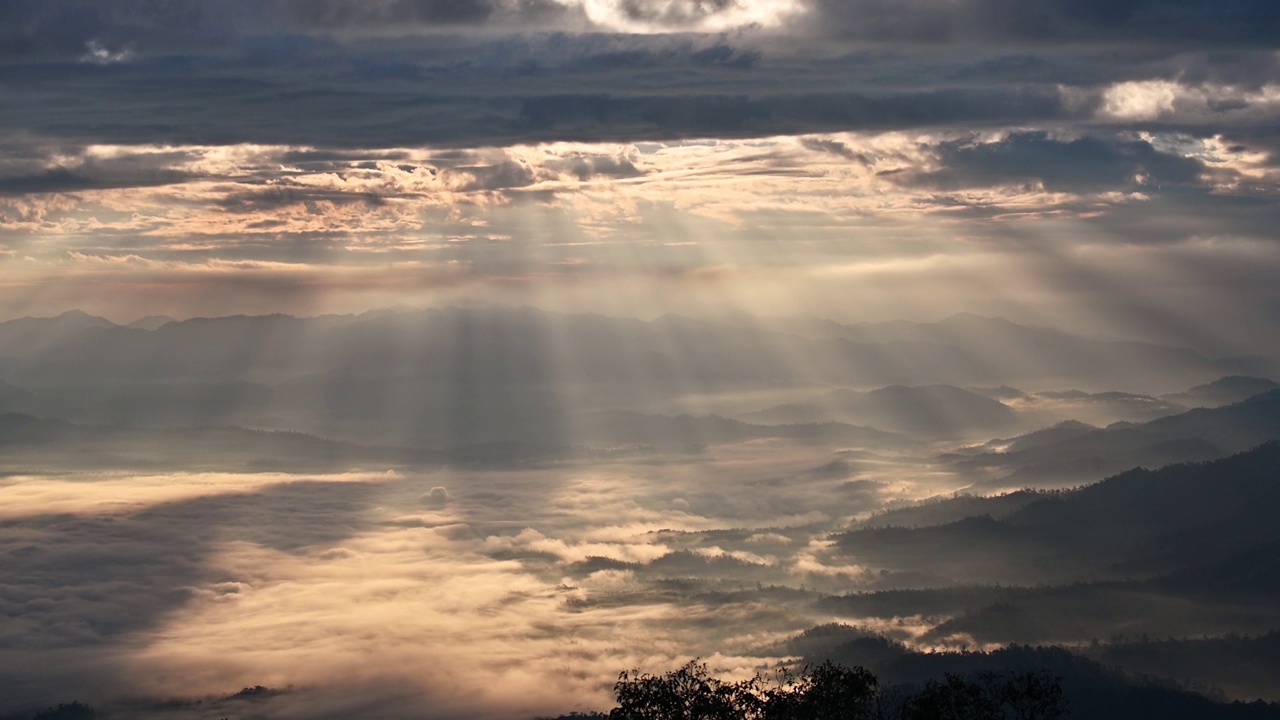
x=443 y=359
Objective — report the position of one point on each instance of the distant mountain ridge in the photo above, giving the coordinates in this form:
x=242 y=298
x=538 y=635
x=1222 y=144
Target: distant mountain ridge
x=618 y=427
x=963 y=349
x=480 y=375
x=922 y=411
x=31 y=444
x=31 y=335
x=1223 y=391
x=993 y=342
x=150 y=322
x=1078 y=453
x=1142 y=522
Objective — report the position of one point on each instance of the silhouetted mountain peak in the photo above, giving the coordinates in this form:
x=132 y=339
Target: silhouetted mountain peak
x=80 y=317
x=68 y=319
x=1237 y=382
x=974 y=321
x=924 y=390
x=968 y=318
x=150 y=322
x=1223 y=391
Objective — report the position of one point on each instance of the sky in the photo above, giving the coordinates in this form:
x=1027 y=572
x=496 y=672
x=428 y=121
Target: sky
x=1107 y=167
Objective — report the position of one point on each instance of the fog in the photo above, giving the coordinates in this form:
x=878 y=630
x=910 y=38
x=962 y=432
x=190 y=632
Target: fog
x=371 y=589
x=503 y=508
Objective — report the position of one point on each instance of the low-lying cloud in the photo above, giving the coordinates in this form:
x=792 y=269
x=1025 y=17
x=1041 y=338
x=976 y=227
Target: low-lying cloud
x=367 y=590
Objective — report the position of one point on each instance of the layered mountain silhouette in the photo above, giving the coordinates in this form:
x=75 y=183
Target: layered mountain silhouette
x=39 y=445
x=931 y=411
x=31 y=336
x=1074 y=452
x=1184 y=518
x=1190 y=550
x=1121 y=679
x=32 y=444
x=505 y=374
x=622 y=427
x=1012 y=349
x=150 y=322
x=1223 y=391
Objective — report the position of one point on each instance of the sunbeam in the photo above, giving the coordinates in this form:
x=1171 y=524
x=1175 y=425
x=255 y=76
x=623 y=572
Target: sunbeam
x=448 y=358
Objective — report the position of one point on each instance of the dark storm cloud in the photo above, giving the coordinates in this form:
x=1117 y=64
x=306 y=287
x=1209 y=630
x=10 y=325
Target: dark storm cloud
x=343 y=13
x=1252 y=21
x=835 y=147
x=70 y=180
x=1234 y=66
x=1086 y=164
x=336 y=159
x=253 y=201
x=46 y=169
x=724 y=115
x=507 y=174
x=38 y=27
x=248 y=100
x=280 y=72
x=45 y=28
x=585 y=167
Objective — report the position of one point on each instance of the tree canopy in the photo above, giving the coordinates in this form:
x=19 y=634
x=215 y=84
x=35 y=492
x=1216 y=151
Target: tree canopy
x=833 y=692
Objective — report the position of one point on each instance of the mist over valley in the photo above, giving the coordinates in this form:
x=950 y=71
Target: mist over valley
x=498 y=497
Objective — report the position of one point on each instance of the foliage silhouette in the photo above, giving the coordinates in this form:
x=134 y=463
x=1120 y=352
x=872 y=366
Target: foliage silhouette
x=67 y=711
x=833 y=692
x=1027 y=696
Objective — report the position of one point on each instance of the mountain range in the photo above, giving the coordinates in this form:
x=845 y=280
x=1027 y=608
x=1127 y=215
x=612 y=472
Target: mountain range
x=1075 y=452
x=451 y=377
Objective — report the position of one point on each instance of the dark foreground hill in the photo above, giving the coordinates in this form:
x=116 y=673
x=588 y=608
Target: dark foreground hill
x=1106 y=681
x=856 y=675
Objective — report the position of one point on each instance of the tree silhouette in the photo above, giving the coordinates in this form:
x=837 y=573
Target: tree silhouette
x=67 y=711
x=687 y=693
x=825 y=692
x=833 y=692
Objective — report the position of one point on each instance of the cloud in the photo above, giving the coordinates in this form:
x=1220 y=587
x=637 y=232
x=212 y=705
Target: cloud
x=52 y=26
x=1063 y=20
x=35 y=26
x=1169 y=100
x=731 y=115
x=350 y=593
x=100 y=55
x=457 y=113
x=438 y=497
x=52 y=168
x=724 y=223
x=529 y=153
x=500 y=88
x=834 y=147
x=1083 y=164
